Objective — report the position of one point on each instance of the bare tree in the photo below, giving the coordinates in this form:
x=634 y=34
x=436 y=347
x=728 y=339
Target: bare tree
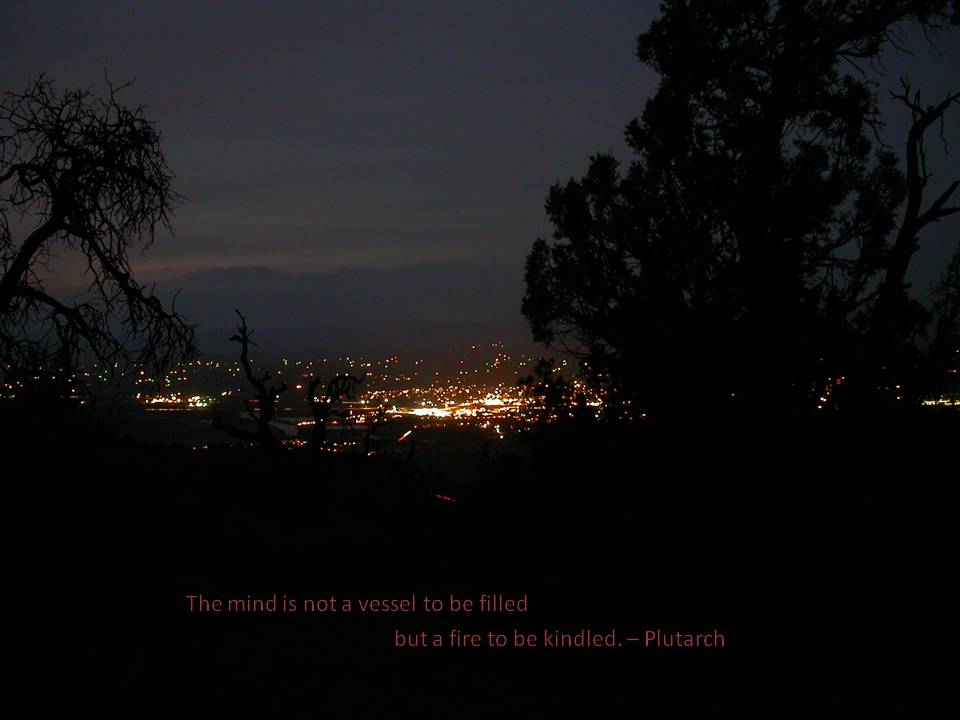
x=945 y=348
x=342 y=386
x=81 y=175
x=916 y=217
x=267 y=395
x=376 y=419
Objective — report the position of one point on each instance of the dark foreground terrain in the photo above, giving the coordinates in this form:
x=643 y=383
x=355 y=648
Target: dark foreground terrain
x=819 y=552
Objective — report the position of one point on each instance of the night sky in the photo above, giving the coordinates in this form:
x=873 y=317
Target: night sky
x=370 y=176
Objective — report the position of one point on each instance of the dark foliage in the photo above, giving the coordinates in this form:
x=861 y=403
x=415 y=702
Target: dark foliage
x=754 y=249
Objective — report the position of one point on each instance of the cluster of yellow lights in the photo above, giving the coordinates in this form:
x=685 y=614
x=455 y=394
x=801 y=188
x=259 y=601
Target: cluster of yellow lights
x=178 y=399
x=498 y=407
x=832 y=384
x=490 y=404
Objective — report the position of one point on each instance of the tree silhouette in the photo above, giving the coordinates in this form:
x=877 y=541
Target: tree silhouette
x=86 y=175
x=944 y=367
x=550 y=390
x=341 y=386
x=744 y=257
x=267 y=395
x=889 y=322
x=376 y=418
